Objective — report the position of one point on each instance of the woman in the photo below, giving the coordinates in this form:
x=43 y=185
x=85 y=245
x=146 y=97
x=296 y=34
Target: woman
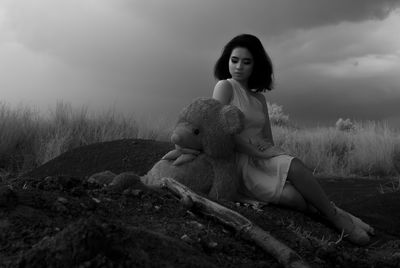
x=244 y=71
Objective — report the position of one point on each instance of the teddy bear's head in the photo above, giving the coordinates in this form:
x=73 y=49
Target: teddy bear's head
x=207 y=125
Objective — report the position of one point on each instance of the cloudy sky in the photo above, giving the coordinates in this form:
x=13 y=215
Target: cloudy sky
x=151 y=57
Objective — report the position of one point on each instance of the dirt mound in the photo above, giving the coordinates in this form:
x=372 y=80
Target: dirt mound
x=97 y=242
x=54 y=216
x=117 y=156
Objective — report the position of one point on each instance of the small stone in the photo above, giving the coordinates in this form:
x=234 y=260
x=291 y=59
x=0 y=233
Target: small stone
x=209 y=245
x=102 y=178
x=191 y=214
x=96 y=200
x=212 y=244
x=196 y=224
x=225 y=231
x=187 y=239
x=62 y=200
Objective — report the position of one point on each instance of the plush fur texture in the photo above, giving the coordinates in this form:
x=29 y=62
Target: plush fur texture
x=206 y=126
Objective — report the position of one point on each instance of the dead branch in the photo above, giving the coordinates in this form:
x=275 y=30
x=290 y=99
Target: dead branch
x=249 y=231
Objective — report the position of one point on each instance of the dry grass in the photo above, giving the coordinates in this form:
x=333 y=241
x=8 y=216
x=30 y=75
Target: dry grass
x=28 y=139
x=366 y=150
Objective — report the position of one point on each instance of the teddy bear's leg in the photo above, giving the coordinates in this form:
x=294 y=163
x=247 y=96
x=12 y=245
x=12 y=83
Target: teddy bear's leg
x=226 y=182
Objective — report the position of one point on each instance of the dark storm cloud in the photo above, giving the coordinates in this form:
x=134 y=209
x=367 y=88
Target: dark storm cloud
x=210 y=18
x=115 y=36
x=320 y=100
x=157 y=55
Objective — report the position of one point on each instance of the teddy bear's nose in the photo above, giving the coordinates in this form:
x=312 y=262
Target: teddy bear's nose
x=175 y=138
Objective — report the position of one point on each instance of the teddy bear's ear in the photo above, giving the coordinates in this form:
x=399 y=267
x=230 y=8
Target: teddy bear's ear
x=232 y=119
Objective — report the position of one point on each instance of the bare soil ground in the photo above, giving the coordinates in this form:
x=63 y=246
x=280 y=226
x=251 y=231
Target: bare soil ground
x=54 y=217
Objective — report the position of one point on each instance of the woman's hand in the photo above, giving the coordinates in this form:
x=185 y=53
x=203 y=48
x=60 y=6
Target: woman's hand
x=270 y=151
x=267 y=149
x=260 y=148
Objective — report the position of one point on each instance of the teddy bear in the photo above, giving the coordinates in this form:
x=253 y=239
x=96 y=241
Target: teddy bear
x=203 y=158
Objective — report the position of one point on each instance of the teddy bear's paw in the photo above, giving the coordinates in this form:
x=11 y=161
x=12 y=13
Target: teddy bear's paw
x=172 y=155
x=184 y=158
x=190 y=151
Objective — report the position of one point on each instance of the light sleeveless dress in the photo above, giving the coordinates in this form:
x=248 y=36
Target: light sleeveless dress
x=262 y=179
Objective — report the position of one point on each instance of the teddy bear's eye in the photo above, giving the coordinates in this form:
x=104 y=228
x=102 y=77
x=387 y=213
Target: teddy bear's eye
x=196 y=131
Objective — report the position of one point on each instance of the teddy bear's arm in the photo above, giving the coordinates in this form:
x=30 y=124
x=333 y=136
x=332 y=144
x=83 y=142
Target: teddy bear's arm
x=181 y=155
x=184 y=158
x=172 y=155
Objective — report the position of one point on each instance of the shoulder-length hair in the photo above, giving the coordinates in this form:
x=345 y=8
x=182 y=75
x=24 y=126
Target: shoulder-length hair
x=262 y=75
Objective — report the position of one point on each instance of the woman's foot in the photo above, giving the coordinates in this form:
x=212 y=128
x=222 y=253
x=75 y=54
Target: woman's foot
x=357 y=221
x=355 y=230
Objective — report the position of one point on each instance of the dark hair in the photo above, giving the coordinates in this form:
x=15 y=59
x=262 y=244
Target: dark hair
x=262 y=76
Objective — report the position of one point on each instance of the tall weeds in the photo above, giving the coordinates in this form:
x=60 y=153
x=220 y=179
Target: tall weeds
x=366 y=150
x=28 y=139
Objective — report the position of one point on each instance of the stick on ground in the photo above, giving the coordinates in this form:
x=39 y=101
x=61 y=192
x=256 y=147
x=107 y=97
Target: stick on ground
x=249 y=231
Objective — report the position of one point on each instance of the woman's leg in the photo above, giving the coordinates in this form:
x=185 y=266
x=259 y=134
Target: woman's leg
x=291 y=197
x=312 y=193
x=308 y=188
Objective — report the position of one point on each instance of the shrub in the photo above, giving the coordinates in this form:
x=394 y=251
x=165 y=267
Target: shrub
x=344 y=125
x=276 y=115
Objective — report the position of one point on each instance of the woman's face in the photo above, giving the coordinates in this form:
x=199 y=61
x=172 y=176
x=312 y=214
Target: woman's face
x=241 y=64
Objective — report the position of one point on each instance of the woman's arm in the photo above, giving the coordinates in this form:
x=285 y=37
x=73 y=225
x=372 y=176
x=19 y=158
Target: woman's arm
x=223 y=92
x=265 y=147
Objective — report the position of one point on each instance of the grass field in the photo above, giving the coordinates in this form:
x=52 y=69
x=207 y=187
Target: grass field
x=28 y=139
x=366 y=150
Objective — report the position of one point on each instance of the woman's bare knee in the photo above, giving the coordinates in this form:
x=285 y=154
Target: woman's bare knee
x=290 y=197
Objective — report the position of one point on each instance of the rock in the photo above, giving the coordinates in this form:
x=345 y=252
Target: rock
x=187 y=239
x=126 y=180
x=62 y=200
x=197 y=225
x=102 y=178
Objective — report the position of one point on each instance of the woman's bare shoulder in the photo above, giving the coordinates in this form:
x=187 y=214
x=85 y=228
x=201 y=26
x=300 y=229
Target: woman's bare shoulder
x=223 y=85
x=223 y=91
